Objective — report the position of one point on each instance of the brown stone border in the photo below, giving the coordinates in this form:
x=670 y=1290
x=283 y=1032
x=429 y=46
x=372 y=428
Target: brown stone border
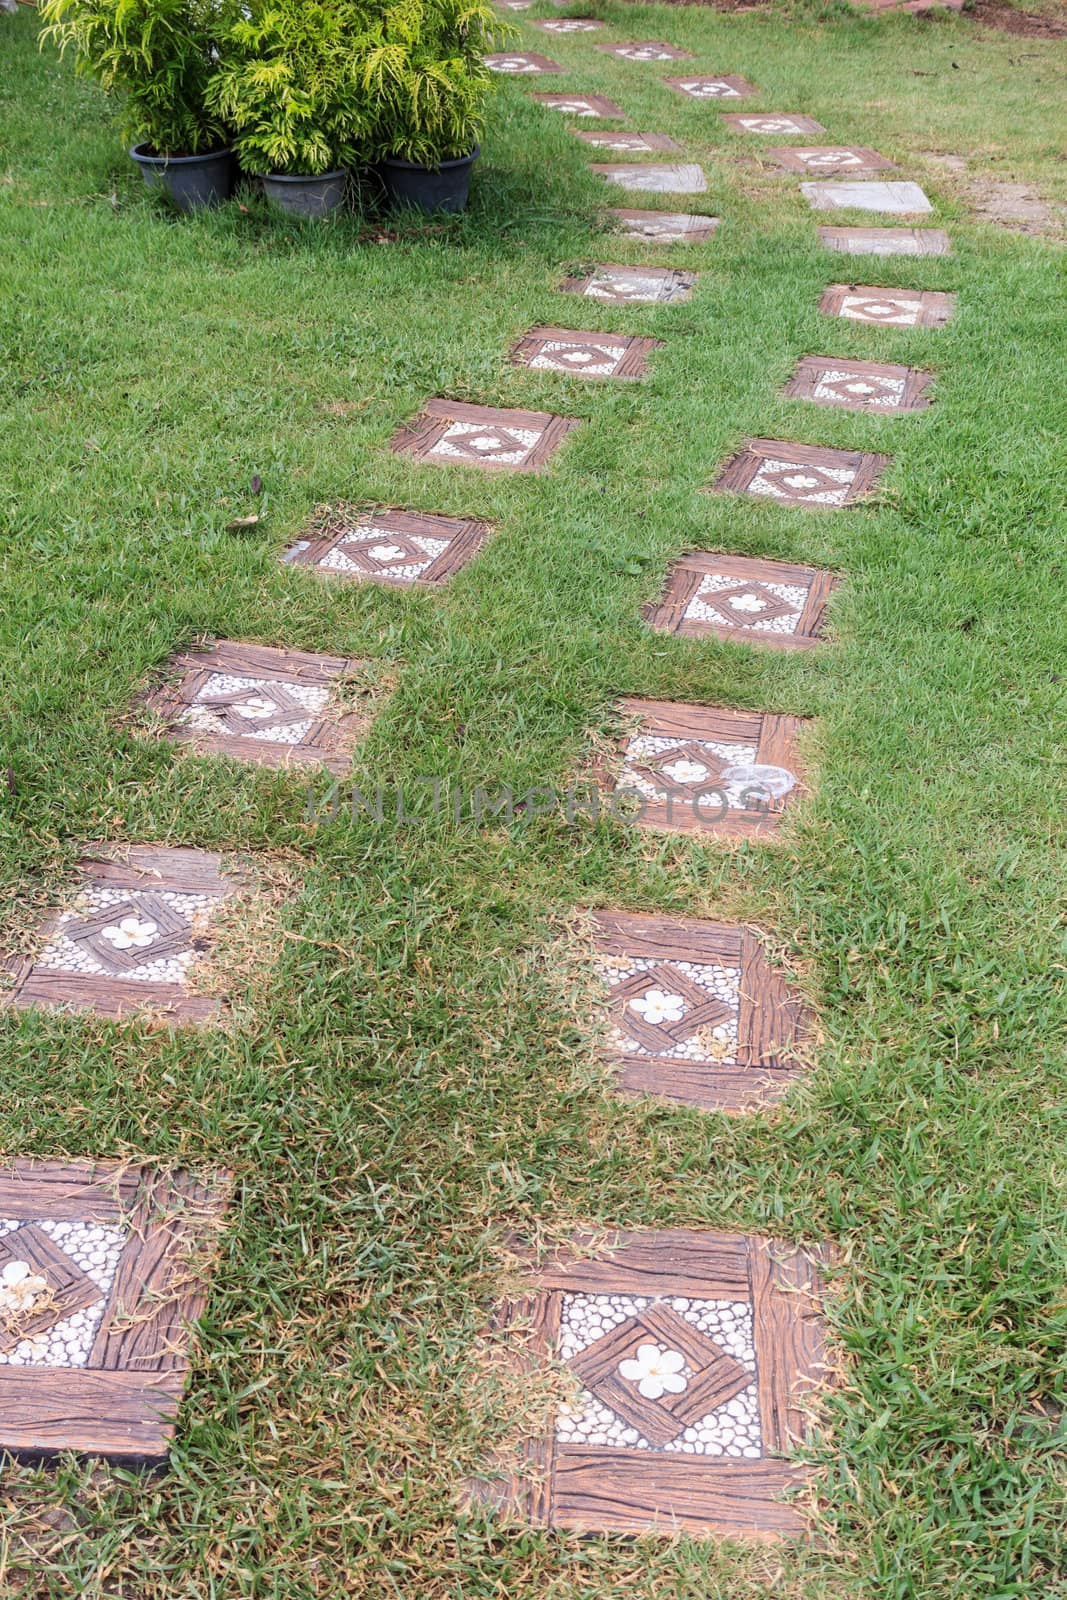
x=418 y=437
x=739 y=472
x=671 y=52
x=465 y=536
x=599 y=105
x=790 y=157
x=811 y=369
x=935 y=308
x=651 y=143
x=737 y=121
x=740 y=87
x=633 y=364
x=684 y=579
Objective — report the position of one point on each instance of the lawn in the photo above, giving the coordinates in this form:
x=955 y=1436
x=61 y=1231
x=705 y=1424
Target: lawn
x=412 y=1076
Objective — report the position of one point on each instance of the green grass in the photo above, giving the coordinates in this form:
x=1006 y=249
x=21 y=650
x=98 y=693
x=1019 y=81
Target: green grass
x=414 y=1077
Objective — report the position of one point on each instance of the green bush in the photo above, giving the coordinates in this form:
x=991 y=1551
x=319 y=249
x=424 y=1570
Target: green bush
x=161 y=55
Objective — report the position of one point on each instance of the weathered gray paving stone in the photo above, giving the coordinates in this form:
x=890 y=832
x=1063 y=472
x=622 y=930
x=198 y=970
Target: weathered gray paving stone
x=891 y=308
x=887 y=241
x=728 y=87
x=740 y=598
x=452 y=433
x=399 y=548
x=907 y=199
x=631 y=144
x=860 y=385
x=568 y=25
x=581 y=105
x=651 y=285
x=520 y=64
x=770 y=123
x=829 y=158
x=800 y=474
x=666 y=227
x=646 y=50
x=683 y=177
x=584 y=355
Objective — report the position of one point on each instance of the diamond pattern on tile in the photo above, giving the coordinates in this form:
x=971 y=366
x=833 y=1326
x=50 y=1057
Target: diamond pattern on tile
x=453 y=433
x=829 y=158
x=520 y=65
x=646 y=50
x=101 y=1278
x=801 y=475
x=586 y=355
x=891 y=308
x=581 y=105
x=772 y=122
x=665 y=227
x=735 y=597
x=635 y=144
x=697 y=1013
x=725 y=88
x=704 y=769
x=399 y=548
x=649 y=285
x=905 y=198
x=887 y=241
x=679 y=178
x=694 y=1354
x=860 y=385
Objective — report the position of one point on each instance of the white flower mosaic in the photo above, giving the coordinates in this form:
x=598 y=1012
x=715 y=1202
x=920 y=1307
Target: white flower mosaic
x=816 y=159
x=899 y=312
x=825 y=486
x=709 y=89
x=643 y=52
x=556 y=355
x=461 y=440
x=130 y=932
x=732 y=1430
x=883 y=392
x=608 y=285
x=515 y=64
x=739 y=758
x=746 y=606
x=571 y=25
x=377 y=545
x=574 y=108
x=626 y=143
x=770 y=125
x=716 y=1043
x=263 y=711
x=68 y=1342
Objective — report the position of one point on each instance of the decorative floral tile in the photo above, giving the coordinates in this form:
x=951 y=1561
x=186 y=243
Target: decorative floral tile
x=772 y=122
x=274 y=707
x=586 y=355
x=694 y=1356
x=569 y=25
x=905 y=198
x=729 y=87
x=704 y=769
x=399 y=548
x=679 y=178
x=697 y=1012
x=735 y=597
x=828 y=158
x=633 y=144
x=451 y=433
x=646 y=50
x=581 y=105
x=891 y=308
x=860 y=385
x=128 y=937
x=665 y=227
x=651 y=285
x=802 y=475
x=101 y=1277
x=521 y=64
x=887 y=241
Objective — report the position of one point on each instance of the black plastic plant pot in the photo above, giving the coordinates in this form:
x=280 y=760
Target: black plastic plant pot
x=306 y=197
x=192 y=182
x=443 y=188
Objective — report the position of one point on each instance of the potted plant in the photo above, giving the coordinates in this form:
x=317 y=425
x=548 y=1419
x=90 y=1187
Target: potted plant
x=291 y=90
x=161 y=56
x=425 y=66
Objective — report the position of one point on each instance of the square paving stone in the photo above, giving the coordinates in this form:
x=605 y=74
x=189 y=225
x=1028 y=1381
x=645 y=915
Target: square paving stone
x=737 y=597
x=451 y=433
x=905 y=198
x=646 y=50
x=729 y=87
x=887 y=241
x=399 y=548
x=127 y=935
x=581 y=105
x=680 y=178
x=891 y=308
x=102 y=1273
x=569 y=25
x=771 y=122
x=666 y=227
x=651 y=285
x=696 y=1356
x=705 y=769
x=521 y=64
x=860 y=385
x=585 y=355
x=800 y=474
x=635 y=144
x=277 y=708
x=826 y=158
x=697 y=1012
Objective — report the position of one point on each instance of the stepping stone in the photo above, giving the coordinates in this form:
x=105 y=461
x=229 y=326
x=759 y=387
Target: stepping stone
x=631 y=143
x=727 y=88
x=887 y=241
x=893 y=308
x=860 y=385
x=735 y=597
x=568 y=25
x=666 y=227
x=581 y=105
x=906 y=198
x=647 y=50
x=401 y=548
x=683 y=177
x=697 y=1012
x=771 y=122
x=702 y=769
x=102 y=1276
x=696 y=1355
x=586 y=355
x=830 y=158
x=522 y=64
x=802 y=474
x=513 y=5
x=127 y=936
x=277 y=708
x=651 y=285
x=450 y=432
